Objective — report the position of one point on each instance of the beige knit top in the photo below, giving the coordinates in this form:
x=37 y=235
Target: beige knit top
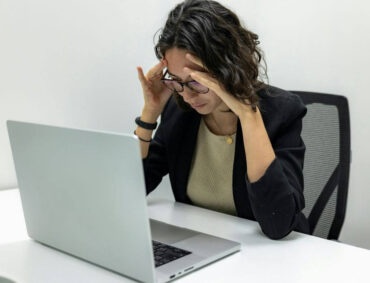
x=210 y=179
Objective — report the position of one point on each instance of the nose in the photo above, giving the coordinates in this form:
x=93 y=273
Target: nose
x=188 y=94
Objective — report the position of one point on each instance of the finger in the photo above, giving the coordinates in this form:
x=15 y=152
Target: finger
x=203 y=78
x=195 y=60
x=156 y=70
x=141 y=75
x=145 y=84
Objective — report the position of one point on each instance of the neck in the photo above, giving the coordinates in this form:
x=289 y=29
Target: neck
x=221 y=122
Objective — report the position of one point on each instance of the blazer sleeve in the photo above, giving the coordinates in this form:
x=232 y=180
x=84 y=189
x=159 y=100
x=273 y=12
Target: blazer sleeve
x=155 y=164
x=277 y=197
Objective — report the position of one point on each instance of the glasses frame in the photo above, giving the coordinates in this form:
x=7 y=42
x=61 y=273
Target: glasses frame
x=163 y=80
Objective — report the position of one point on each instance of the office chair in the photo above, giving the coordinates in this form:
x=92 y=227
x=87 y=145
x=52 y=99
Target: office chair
x=326 y=133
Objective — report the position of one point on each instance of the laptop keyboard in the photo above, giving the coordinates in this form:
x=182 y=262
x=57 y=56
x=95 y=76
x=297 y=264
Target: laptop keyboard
x=164 y=253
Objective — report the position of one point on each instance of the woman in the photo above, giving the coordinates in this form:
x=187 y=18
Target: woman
x=228 y=141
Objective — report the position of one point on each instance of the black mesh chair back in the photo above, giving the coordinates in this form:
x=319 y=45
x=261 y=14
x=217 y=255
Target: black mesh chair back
x=326 y=133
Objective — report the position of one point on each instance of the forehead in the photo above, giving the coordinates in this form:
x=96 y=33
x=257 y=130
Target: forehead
x=176 y=62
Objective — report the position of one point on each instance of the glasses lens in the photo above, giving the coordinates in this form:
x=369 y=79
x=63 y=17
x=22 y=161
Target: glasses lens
x=173 y=85
x=197 y=87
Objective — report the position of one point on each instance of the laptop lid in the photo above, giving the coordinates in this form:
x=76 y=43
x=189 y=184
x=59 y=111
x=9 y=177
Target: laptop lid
x=75 y=198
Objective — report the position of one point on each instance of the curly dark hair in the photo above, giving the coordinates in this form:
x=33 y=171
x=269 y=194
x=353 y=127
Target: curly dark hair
x=227 y=49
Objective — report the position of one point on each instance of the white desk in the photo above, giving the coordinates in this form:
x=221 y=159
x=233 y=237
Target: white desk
x=297 y=258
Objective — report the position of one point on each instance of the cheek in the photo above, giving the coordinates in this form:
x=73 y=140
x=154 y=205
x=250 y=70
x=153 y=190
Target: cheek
x=214 y=99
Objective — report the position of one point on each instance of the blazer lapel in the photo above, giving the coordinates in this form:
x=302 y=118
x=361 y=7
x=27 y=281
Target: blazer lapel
x=187 y=133
x=240 y=192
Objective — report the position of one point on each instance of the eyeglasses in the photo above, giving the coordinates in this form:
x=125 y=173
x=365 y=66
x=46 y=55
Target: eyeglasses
x=179 y=86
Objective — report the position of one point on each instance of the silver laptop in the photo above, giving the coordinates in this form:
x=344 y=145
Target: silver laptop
x=83 y=193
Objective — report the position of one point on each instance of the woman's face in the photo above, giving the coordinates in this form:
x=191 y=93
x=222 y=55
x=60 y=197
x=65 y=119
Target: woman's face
x=203 y=103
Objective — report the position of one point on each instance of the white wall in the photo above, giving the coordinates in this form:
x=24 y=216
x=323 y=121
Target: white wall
x=73 y=62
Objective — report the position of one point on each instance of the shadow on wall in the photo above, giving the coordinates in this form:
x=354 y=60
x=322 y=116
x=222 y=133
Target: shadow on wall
x=5 y=280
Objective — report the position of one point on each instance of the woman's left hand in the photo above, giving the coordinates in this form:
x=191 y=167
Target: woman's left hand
x=205 y=79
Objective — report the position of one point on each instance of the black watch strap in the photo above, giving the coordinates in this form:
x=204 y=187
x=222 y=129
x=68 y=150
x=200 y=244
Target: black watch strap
x=144 y=125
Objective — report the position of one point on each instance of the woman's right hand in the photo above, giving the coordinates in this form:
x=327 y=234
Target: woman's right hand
x=156 y=94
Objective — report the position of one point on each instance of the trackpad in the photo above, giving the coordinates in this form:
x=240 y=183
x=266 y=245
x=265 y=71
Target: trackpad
x=169 y=234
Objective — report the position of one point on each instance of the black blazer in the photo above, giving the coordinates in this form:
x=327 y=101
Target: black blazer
x=276 y=199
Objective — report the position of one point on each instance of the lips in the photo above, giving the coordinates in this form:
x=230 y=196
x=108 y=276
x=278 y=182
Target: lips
x=197 y=105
